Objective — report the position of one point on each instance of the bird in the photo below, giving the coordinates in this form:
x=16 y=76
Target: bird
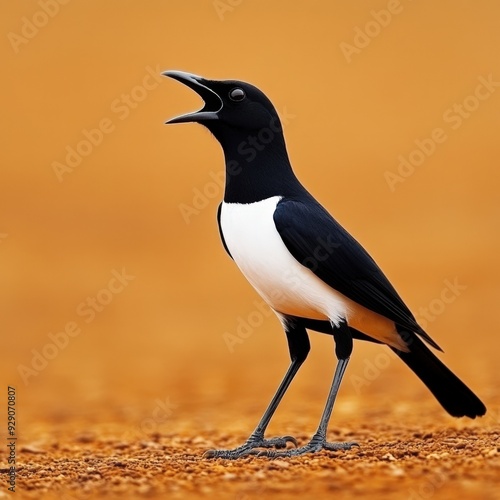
x=308 y=269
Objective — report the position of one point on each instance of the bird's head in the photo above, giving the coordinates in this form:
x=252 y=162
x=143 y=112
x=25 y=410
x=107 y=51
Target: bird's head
x=232 y=108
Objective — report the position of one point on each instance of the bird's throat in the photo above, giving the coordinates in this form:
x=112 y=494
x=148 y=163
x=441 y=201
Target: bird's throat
x=256 y=170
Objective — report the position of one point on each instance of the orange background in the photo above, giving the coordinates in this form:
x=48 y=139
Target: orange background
x=162 y=336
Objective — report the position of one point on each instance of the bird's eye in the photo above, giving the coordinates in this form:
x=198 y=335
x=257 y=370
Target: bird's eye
x=237 y=94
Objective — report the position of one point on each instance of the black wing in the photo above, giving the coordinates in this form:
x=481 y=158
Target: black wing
x=320 y=243
x=220 y=231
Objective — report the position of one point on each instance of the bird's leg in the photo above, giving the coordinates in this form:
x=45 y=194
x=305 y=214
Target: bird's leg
x=298 y=344
x=343 y=349
x=256 y=439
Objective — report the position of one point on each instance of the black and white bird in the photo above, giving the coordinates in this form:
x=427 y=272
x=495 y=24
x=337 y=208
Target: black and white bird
x=311 y=272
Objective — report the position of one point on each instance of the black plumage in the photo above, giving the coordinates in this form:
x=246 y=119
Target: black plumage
x=283 y=225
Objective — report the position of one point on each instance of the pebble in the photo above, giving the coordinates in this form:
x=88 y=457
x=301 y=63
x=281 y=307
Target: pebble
x=281 y=463
x=32 y=448
x=85 y=437
x=199 y=440
x=397 y=471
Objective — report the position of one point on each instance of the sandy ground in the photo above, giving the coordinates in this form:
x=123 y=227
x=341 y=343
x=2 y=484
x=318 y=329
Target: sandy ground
x=406 y=451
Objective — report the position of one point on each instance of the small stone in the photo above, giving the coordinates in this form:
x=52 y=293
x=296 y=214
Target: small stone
x=397 y=471
x=85 y=437
x=281 y=463
x=31 y=448
x=389 y=456
x=199 y=440
x=143 y=489
x=149 y=444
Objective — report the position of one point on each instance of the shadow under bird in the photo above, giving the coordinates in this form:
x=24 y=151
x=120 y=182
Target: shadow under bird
x=311 y=272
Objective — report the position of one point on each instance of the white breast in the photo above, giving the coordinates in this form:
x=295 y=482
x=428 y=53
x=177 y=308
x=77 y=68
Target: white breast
x=258 y=250
x=287 y=286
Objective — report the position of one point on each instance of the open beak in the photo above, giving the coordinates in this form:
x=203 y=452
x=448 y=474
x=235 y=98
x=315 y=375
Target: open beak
x=213 y=103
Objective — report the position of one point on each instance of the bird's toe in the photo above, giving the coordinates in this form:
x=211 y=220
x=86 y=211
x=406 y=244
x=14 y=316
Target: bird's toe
x=340 y=446
x=314 y=446
x=255 y=445
x=276 y=442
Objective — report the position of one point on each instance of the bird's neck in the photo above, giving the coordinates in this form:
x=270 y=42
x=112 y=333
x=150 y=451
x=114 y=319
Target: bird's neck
x=258 y=168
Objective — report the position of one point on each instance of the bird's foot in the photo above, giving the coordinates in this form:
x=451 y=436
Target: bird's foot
x=317 y=443
x=251 y=447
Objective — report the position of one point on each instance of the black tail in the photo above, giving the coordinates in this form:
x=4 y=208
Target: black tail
x=455 y=397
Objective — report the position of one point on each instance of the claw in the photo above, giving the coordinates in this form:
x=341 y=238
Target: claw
x=290 y=439
x=210 y=454
x=252 y=447
x=340 y=446
x=227 y=454
x=313 y=446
